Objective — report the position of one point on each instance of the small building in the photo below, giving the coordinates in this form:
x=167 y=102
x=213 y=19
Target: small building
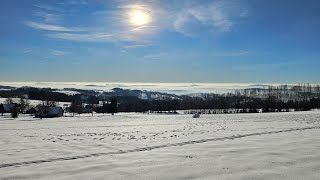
x=8 y=107
x=55 y=112
x=51 y=112
x=32 y=110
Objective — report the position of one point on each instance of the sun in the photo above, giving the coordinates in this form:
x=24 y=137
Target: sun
x=139 y=17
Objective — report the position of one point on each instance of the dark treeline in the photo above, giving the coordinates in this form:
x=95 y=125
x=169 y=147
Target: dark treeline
x=134 y=104
x=45 y=94
x=48 y=94
x=269 y=99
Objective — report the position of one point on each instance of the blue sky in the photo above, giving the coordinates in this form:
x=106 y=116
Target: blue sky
x=265 y=41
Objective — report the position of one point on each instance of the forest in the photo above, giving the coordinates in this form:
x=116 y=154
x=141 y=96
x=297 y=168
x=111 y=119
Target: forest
x=251 y=100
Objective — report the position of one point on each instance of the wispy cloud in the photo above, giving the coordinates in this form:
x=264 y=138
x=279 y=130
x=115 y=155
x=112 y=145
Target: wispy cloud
x=27 y=51
x=46 y=7
x=233 y=54
x=113 y=25
x=75 y=2
x=220 y=15
x=50 y=27
x=91 y=37
x=158 y=56
x=48 y=17
x=133 y=46
x=55 y=52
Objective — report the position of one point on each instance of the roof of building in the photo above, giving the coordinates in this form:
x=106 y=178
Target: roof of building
x=8 y=107
x=54 y=110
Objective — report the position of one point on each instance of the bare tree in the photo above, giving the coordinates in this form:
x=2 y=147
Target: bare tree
x=15 y=112
x=9 y=100
x=76 y=107
x=50 y=103
x=24 y=105
x=42 y=108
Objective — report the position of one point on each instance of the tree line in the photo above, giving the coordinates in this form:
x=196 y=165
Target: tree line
x=269 y=99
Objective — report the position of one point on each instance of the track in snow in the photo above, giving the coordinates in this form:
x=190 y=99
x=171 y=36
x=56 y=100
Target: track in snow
x=26 y=163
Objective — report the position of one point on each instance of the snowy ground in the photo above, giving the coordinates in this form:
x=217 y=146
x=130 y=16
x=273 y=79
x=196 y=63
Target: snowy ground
x=142 y=146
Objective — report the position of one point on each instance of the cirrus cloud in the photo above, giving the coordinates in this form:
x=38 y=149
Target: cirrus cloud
x=50 y=27
x=111 y=25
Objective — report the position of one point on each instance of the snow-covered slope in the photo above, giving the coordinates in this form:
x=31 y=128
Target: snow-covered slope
x=142 y=146
x=33 y=102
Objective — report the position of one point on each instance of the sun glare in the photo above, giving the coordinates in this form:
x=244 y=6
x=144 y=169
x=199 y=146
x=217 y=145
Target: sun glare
x=139 y=17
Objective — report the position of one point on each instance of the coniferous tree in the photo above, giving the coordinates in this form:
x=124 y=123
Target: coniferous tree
x=113 y=105
x=15 y=112
x=2 y=111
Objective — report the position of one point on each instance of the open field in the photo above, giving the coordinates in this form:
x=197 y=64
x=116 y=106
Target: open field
x=142 y=146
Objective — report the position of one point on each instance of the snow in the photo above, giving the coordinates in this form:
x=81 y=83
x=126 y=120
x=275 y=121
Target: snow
x=33 y=102
x=142 y=146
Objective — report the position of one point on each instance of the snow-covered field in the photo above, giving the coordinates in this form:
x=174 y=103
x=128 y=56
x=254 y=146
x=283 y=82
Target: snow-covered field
x=142 y=146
